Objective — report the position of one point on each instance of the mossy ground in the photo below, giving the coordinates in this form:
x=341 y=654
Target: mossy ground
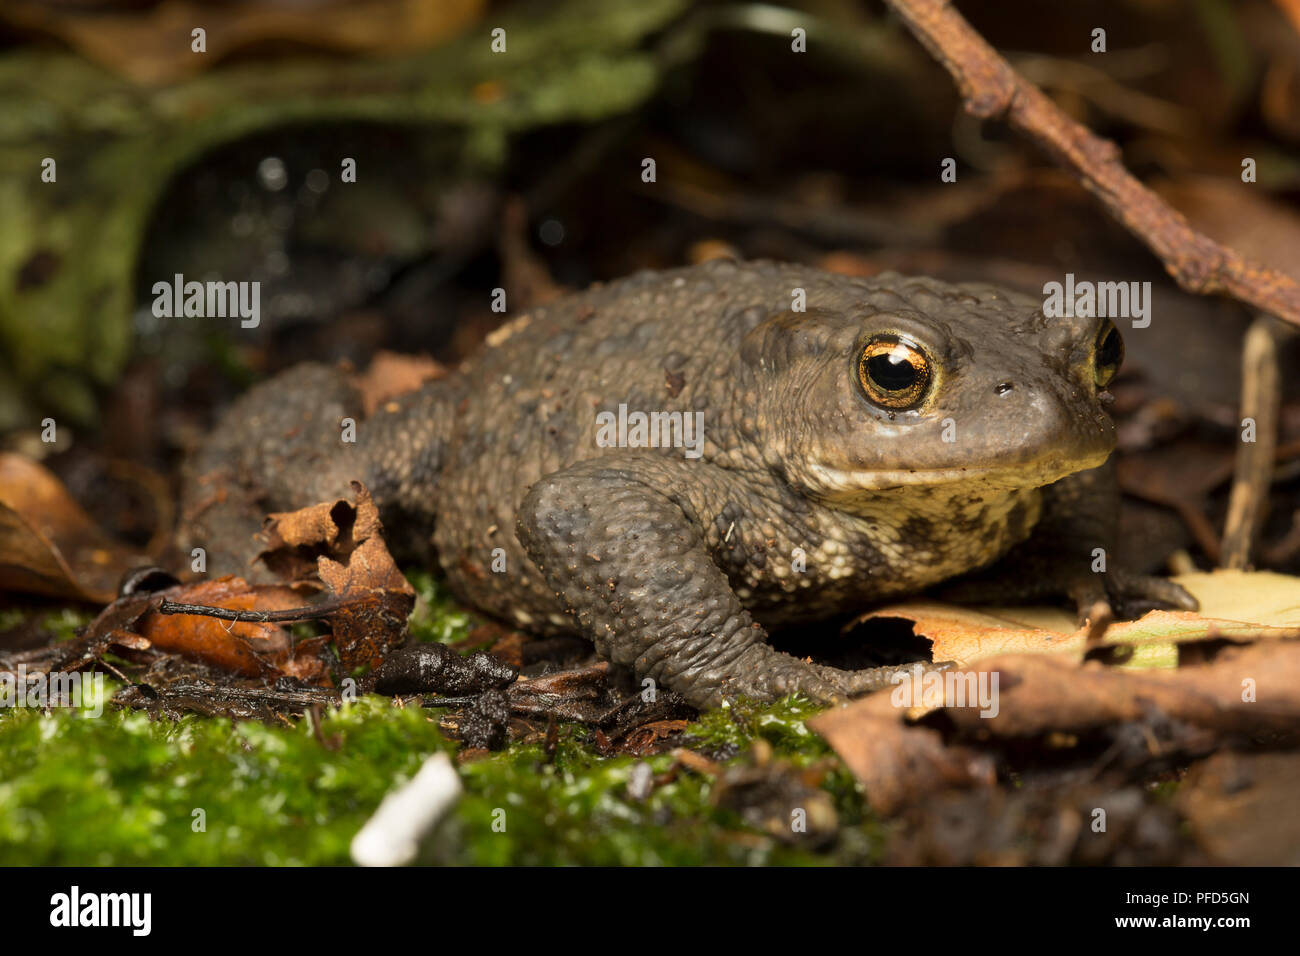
x=122 y=789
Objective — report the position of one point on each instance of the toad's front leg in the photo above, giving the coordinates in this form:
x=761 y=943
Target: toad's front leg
x=1070 y=554
x=622 y=545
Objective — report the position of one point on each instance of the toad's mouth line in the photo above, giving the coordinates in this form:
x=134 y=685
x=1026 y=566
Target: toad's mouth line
x=1029 y=475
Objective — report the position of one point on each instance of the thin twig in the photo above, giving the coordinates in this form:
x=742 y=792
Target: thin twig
x=431 y=702
x=305 y=696
x=1260 y=398
x=1100 y=618
x=992 y=89
x=286 y=616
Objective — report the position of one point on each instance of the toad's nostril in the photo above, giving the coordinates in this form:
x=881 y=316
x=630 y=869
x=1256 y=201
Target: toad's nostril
x=1003 y=387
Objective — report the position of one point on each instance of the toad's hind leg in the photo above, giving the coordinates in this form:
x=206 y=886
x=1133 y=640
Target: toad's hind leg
x=278 y=447
x=623 y=550
x=299 y=439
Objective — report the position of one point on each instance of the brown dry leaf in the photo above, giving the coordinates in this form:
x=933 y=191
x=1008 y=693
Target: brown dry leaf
x=252 y=649
x=1234 y=604
x=1242 y=690
x=1262 y=596
x=895 y=762
x=1039 y=694
x=48 y=544
x=649 y=738
x=295 y=540
x=335 y=546
x=350 y=557
x=1043 y=685
x=964 y=634
x=391 y=374
x=582 y=695
x=154 y=46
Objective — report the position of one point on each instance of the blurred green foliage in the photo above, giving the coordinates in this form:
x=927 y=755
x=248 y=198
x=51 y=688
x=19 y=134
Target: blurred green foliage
x=68 y=248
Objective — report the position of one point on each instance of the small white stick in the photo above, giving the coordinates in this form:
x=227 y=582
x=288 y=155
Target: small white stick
x=405 y=816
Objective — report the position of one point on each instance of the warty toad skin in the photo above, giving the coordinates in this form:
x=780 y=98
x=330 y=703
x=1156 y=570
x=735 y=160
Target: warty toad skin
x=897 y=433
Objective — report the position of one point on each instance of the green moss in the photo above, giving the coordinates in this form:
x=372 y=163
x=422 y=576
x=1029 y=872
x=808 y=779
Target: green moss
x=780 y=724
x=122 y=789
x=62 y=622
x=1164 y=790
x=576 y=810
x=65 y=622
x=438 y=616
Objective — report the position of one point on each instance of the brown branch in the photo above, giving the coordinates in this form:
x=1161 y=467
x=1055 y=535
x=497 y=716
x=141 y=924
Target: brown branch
x=1291 y=10
x=992 y=89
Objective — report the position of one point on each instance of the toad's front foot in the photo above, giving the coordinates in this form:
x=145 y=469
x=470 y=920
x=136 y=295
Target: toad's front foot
x=764 y=673
x=1128 y=595
x=1125 y=594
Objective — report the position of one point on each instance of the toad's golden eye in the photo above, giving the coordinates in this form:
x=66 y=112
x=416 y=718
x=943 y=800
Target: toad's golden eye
x=1108 y=355
x=895 y=374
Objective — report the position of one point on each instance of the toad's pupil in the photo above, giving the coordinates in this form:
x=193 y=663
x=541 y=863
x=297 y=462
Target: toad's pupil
x=891 y=372
x=1109 y=354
